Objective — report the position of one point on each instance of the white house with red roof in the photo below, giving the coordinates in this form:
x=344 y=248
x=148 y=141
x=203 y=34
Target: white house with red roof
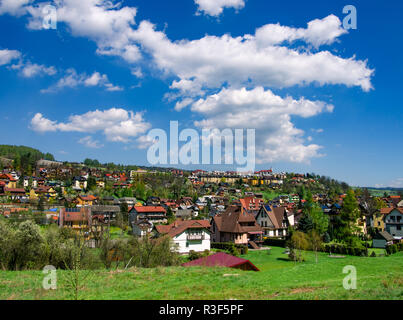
x=188 y=235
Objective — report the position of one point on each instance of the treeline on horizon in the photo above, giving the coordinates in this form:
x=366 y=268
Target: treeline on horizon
x=23 y=158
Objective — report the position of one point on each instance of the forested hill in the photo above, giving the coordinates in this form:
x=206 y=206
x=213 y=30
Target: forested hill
x=24 y=154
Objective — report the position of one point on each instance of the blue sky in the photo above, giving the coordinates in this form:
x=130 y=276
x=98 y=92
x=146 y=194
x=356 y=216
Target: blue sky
x=322 y=99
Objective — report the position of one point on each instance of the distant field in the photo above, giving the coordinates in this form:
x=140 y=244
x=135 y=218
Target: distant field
x=381 y=192
x=378 y=278
x=270 y=194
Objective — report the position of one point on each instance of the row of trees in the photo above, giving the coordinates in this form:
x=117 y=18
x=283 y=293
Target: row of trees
x=24 y=245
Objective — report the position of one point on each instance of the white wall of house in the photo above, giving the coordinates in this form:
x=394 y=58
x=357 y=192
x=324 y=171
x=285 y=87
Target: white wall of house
x=275 y=233
x=139 y=232
x=183 y=245
x=291 y=220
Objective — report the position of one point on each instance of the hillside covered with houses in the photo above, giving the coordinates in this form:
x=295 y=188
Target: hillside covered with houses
x=197 y=210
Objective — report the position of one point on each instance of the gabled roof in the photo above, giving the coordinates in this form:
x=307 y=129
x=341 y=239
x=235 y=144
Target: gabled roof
x=179 y=227
x=229 y=221
x=251 y=203
x=222 y=259
x=389 y=210
x=276 y=215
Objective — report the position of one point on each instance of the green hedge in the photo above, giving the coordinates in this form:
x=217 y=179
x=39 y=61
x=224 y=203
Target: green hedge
x=275 y=242
x=232 y=248
x=340 y=248
x=393 y=248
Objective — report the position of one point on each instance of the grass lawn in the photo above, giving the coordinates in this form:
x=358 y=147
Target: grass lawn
x=117 y=233
x=377 y=278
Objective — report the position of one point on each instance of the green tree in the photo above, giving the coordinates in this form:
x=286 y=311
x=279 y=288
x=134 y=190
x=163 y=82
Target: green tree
x=297 y=244
x=320 y=220
x=91 y=183
x=315 y=242
x=28 y=245
x=348 y=216
x=313 y=217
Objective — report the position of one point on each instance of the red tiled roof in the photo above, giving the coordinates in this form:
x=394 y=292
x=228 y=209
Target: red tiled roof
x=75 y=216
x=251 y=203
x=14 y=190
x=147 y=209
x=7 y=176
x=386 y=210
x=88 y=198
x=389 y=210
x=222 y=259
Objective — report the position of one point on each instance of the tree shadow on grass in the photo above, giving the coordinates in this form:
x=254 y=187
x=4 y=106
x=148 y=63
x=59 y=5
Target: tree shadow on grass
x=283 y=259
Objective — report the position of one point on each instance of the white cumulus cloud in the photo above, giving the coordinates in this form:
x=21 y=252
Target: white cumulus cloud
x=6 y=56
x=117 y=124
x=30 y=70
x=277 y=138
x=72 y=80
x=212 y=61
x=216 y=7
x=89 y=142
x=13 y=7
x=103 y=21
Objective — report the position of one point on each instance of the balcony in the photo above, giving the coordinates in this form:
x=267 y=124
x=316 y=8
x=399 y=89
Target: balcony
x=195 y=237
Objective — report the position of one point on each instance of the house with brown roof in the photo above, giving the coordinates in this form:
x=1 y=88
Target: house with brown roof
x=84 y=201
x=188 y=235
x=75 y=218
x=45 y=192
x=235 y=225
x=16 y=193
x=274 y=221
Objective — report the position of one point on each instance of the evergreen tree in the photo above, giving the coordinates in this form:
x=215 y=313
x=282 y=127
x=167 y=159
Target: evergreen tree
x=348 y=215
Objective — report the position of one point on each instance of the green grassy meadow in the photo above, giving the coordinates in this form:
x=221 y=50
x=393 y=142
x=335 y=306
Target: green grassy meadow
x=279 y=278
